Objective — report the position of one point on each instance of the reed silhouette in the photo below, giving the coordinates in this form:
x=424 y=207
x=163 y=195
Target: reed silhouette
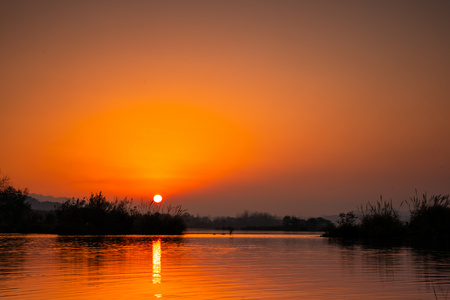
x=430 y=219
x=381 y=221
x=428 y=225
x=98 y=216
x=88 y=216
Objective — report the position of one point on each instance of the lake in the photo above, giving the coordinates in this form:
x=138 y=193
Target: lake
x=215 y=266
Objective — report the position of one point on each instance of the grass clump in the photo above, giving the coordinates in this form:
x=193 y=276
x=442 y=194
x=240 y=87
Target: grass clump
x=98 y=216
x=92 y=216
x=430 y=218
x=429 y=223
x=380 y=221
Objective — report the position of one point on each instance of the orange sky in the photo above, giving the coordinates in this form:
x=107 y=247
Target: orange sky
x=290 y=107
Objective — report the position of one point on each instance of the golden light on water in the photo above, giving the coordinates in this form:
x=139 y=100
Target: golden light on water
x=156 y=261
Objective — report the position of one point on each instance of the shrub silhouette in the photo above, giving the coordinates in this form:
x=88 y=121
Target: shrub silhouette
x=347 y=227
x=13 y=207
x=429 y=224
x=380 y=221
x=430 y=218
x=158 y=224
x=98 y=216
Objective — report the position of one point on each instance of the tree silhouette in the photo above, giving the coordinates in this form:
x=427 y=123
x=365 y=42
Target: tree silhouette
x=13 y=206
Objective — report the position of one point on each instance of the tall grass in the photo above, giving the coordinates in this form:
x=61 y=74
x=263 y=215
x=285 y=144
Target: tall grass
x=152 y=207
x=380 y=221
x=430 y=218
x=98 y=216
x=429 y=223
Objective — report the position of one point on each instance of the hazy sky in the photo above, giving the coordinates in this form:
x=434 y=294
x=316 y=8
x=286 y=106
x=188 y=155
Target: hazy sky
x=290 y=107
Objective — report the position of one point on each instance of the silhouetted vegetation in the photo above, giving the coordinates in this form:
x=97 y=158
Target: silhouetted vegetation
x=91 y=216
x=244 y=221
x=430 y=219
x=347 y=226
x=13 y=207
x=381 y=221
x=258 y=221
x=98 y=216
x=429 y=223
x=311 y=224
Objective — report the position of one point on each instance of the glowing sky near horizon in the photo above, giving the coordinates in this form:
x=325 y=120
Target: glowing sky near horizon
x=289 y=107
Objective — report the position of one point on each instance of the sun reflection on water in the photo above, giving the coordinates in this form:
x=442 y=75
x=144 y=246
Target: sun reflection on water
x=156 y=261
x=207 y=266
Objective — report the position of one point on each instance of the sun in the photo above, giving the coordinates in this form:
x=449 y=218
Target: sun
x=157 y=198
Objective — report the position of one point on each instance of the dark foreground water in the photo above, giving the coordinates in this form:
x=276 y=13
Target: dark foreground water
x=207 y=266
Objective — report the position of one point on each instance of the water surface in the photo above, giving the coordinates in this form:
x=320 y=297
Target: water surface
x=215 y=266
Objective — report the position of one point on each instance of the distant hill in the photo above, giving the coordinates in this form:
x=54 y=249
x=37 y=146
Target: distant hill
x=42 y=205
x=42 y=198
x=332 y=218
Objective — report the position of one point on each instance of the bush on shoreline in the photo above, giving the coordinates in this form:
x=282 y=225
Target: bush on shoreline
x=429 y=223
x=380 y=221
x=98 y=216
x=93 y=216
x=14 y=210
x=430 y=219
